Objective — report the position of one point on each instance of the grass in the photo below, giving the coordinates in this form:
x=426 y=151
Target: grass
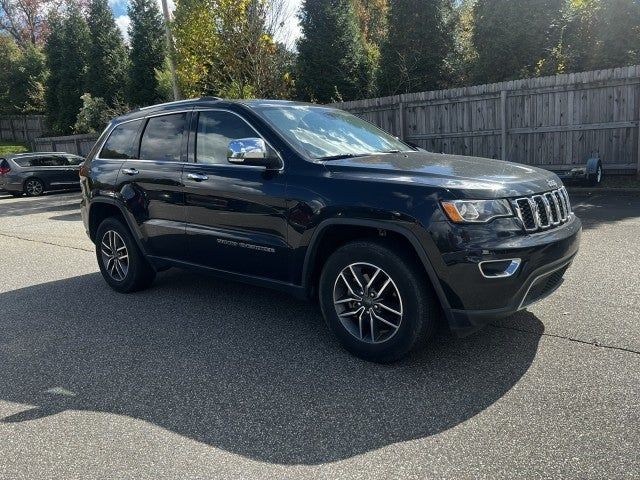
x=7 y=148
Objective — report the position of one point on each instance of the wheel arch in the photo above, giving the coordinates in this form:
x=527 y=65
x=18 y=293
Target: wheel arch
x=323 y=243
x=34 y=177
x=102 y=208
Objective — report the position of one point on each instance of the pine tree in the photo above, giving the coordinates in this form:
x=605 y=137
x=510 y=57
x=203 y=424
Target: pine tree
x=511 y=38
x=66 y=53
x=107 y=63
x=332 y=63
x=146 y=34
x=53 y=54
x=413 y=58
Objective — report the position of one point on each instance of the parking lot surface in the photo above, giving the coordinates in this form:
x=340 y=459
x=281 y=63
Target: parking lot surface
x=198 y=378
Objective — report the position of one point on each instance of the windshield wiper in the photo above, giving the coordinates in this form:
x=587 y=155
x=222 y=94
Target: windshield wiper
x=342 y=155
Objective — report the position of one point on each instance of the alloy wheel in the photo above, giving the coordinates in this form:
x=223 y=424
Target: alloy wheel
x=368 y=302
x=34 y=188
x=115 y=256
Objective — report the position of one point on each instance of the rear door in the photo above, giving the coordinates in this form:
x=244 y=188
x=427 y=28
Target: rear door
x=236 y=214
x=72 y=170
x=50 y=169
x=151 y=184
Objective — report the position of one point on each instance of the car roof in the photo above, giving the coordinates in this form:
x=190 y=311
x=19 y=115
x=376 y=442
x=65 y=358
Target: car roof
x=202 y=102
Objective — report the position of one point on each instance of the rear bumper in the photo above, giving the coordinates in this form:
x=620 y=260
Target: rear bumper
x=476 y=300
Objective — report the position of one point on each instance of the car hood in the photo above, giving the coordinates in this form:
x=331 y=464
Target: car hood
x=464 y=177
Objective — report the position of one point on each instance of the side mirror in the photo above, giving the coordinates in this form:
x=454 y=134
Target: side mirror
x=252 y=151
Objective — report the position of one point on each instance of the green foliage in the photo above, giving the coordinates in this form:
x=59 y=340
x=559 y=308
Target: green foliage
x=164 y=82
x=22 y=76
x=7 y=148
x=66 y=51
x=419 y=40
x=147 y=55
x=332 y=60
x=107 y=62
x=595 y=34
x=224 y=47
x=95 y=114
x=510 y=37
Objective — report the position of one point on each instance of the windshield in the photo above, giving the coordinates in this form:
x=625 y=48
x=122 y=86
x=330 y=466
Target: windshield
x=325 y=133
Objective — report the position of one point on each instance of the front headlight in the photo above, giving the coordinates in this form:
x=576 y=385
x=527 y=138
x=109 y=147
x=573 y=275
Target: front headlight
x=476 y=211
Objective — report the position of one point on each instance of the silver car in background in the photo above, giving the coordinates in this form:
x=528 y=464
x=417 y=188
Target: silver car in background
x=32 y=174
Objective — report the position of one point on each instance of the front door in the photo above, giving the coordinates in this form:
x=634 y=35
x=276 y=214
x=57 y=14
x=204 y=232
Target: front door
x=151 y=187
x=236 y=214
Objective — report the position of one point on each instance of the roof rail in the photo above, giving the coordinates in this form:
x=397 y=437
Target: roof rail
x=179 y=101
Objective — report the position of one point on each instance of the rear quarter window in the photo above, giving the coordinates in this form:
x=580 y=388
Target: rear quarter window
x=121 y=143
x=23 y=162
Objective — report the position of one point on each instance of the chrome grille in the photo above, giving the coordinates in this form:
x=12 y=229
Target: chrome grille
x=544 y=211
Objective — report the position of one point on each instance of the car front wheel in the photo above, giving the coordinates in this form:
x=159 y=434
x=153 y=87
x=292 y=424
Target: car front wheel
x=377 y=302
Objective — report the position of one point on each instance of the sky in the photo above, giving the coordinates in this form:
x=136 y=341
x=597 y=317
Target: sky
x=290 y=33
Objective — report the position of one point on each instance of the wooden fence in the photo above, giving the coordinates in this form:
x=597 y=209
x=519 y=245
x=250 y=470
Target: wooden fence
x=549 y=121
x=78 y=144
x=21 y=128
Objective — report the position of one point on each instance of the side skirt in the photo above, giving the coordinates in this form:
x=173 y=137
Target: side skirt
x=162 y=263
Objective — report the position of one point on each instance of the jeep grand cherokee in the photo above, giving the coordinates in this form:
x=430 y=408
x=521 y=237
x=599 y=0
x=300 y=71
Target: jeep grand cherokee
x=319 y=203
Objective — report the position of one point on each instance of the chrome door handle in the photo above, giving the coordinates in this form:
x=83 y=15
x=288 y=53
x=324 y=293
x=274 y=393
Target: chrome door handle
x=130 y=171
x=198 y=177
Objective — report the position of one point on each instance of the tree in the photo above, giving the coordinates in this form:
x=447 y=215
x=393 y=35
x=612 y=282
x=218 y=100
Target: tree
x=595 y=34
x=66 y=52
x=332 y=62
x=24 y=20
x=372 y=21
x=413 y=58
x=107 y=61
x=146 y=34
x=511 y=37
x=227 y=48
x=22 y=76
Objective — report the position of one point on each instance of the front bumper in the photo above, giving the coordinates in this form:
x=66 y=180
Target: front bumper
x=475 y=300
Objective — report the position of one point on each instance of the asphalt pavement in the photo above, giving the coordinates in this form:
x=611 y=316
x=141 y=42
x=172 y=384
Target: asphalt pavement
x=198 y=378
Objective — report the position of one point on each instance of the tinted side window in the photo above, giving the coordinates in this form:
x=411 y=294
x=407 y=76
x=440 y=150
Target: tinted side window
x=121 y=142
x=73 y=160
x=215 y=131
x=48 y=161
x=162 y=138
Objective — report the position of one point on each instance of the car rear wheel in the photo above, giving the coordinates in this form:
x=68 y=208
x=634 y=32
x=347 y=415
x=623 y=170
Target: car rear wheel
x=376 y=301
x=121 y=262
x=33 y=187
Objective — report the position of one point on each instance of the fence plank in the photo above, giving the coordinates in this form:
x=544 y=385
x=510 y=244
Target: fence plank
x=556 y=120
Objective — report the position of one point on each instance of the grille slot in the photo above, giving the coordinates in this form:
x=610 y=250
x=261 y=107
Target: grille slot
x=553 y=206
x=526 y=213
x=544 y=211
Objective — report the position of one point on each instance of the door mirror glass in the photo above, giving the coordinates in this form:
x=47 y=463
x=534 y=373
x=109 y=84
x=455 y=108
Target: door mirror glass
x=251 y=151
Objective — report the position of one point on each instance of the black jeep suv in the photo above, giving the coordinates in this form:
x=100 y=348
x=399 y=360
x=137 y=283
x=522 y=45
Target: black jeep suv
x=317 y=202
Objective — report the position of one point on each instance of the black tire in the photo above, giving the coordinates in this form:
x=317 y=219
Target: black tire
x=418 y=303
x=33 y=187
x=138 y=273
x=595 y=179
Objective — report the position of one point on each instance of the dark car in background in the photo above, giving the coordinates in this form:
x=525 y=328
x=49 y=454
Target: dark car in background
x=319 y=203
x=32 y=174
